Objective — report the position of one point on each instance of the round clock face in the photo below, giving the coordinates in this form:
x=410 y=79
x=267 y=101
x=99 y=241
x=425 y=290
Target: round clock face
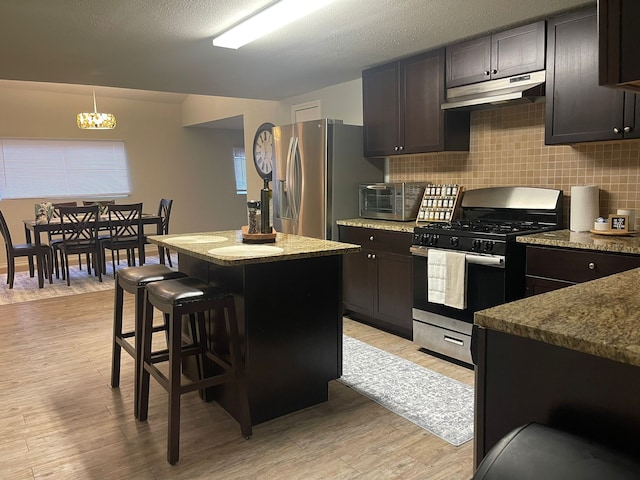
x=263 y=150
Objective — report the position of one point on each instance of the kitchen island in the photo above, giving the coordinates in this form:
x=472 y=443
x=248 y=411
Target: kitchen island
x=569 y=359
x=289 y=306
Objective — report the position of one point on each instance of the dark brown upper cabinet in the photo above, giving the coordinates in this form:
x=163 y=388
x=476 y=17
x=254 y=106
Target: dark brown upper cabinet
x=619 y=43
x=578 y=109
x=401 y=109
x=504 y=54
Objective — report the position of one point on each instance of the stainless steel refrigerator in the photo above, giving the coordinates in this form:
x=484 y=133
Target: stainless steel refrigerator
x=317 y=169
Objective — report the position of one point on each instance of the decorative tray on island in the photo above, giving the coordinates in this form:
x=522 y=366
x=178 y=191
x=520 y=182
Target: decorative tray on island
x=257 y=237
x=619 y=233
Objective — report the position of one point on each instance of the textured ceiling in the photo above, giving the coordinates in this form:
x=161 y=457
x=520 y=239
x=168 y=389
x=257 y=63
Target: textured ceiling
x=165 y=45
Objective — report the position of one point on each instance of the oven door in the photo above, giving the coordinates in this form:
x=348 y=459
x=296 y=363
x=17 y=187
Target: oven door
x=447 y=330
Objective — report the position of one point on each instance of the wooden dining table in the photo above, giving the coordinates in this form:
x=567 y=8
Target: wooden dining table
x=31 y=227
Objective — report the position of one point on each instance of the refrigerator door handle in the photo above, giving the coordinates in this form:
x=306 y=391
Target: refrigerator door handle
x=293 y=179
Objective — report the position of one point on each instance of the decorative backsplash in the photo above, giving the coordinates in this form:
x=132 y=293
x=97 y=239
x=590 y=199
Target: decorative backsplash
x=507 y=149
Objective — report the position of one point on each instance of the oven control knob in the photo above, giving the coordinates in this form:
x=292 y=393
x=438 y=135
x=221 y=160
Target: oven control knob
x=433 y=241
x=424 y=239
x=476 y=245
x=488 y=246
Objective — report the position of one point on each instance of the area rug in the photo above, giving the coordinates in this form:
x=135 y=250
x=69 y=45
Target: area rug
x=437 y=403
x=25 y=288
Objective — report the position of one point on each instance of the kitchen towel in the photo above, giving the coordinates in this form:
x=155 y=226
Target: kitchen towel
x=585 y=207
x=455 y=294
x=436 y=276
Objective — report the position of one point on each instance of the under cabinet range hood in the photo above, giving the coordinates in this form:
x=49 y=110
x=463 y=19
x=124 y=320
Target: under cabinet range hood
x=524 y=88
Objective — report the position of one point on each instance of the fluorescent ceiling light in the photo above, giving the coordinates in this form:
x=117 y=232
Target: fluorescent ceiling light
x=267 y=20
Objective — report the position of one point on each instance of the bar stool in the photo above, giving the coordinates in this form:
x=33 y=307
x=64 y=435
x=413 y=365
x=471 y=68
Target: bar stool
x=189 y=296
x=133 y=280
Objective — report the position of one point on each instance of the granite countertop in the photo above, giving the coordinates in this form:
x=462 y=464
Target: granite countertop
x=584 y=240
x=599 y=317
x=226 y=247
x=379 y=224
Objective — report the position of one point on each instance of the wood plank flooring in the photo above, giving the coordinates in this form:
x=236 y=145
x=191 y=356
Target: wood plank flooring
x=60 y=419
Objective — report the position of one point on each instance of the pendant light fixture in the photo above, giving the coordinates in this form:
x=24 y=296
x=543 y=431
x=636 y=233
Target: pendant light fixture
x=95 y=120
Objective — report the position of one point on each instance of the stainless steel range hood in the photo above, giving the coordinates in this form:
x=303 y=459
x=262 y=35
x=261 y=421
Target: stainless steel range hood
x=527 y=87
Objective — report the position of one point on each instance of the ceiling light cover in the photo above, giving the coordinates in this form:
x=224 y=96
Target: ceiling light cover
x=266 y=21
x=96 y=121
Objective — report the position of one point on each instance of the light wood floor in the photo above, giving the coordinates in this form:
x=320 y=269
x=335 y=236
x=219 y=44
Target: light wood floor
x=60 y=419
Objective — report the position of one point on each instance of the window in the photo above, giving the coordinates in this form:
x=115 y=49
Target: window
x=240 y=167
x=62 y=168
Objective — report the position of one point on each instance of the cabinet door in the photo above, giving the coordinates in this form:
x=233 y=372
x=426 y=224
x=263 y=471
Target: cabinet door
x=577 y=108
x=631 y=124
x=358 y=284
x=519 y=50
x=619 y=39
x=422 y=93
x=381 y=110
x=469 y=62
x=394 y=291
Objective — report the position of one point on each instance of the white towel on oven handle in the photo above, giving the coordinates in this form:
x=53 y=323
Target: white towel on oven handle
x=456 y=280
x=436 y=276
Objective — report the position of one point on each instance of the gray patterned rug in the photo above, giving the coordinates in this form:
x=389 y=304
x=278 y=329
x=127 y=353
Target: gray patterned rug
x=26 y=288
x=437 y=403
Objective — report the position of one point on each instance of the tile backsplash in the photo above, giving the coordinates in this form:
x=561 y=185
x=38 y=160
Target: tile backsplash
x=507 y=149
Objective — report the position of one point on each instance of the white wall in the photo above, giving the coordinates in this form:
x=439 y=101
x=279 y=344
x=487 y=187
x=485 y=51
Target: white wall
x=192 y=166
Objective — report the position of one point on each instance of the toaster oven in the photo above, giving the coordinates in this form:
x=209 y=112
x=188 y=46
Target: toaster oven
x=390 y=201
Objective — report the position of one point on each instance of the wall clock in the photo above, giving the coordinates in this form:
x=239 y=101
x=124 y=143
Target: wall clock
x=263 y=152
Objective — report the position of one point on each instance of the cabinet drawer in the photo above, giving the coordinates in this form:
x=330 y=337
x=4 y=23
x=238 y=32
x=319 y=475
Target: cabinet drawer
x=372 y=239
x=576 y=265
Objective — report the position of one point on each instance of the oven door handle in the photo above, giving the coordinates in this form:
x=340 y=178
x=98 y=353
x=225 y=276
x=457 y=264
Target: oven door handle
x=489 y=260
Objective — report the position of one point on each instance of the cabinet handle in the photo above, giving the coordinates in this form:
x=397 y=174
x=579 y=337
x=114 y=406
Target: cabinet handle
x=592 y=266
x=494 y=71
x=396 y=148
x=371 y=238
x=401 y=147
x=487 y=72
x=368 y=255
x=627 y=129
x=373 y=256
x=616 y=130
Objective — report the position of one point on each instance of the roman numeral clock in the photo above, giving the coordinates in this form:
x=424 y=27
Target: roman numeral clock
x=263 y=150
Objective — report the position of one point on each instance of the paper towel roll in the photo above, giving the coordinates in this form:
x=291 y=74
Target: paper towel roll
x=585 y=200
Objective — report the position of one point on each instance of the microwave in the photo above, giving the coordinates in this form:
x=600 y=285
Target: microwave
x=390 y=201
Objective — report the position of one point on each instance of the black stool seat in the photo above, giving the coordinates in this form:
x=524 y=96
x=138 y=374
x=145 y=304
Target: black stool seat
x=133 y=280
x=537 y=452
x=193 y=297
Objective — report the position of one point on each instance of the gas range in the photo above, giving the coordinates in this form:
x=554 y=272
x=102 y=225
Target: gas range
x=475 y=235
x=493 y=268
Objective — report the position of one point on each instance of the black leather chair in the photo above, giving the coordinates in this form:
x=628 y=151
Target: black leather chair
x=164 y=212
x=29 y=250
x=538 y=452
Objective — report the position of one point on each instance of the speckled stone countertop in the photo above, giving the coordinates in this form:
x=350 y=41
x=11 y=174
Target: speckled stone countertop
x=586 y=241
x=226 y=248
x=379 y=224
x=600 y=317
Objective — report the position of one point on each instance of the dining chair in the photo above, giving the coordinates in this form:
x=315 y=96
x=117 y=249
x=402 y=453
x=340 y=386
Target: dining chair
x=164 y=212
x=55 y=239
x=125 y=233
x=29 y=250
x=80 y=235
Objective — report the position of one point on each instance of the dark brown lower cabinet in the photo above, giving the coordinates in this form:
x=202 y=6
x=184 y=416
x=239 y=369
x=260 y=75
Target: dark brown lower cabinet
x=520 y=380
x=378 y=279
x=550 y=268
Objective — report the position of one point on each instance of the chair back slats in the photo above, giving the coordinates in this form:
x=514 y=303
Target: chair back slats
x=79 y=224
x=164 y=212
x=125 y=222
x=4 y=230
